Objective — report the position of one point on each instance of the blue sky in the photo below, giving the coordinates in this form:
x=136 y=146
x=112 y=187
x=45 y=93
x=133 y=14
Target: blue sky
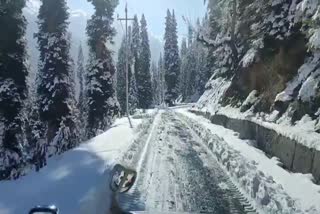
x=154 y=10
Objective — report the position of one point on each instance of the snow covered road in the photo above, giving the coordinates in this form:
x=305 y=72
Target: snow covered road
x=184 y=164
x=76 y=181
x=177 y=174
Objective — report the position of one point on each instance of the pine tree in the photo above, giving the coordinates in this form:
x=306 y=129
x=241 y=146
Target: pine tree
x=171 y=59
x=135 y=44
x=192 y=72
x=121 y=77
x=184 y=48
x=193 y=76
x=35 y=132
x=183 y=68
x=214 y=24
x=143 y=75
x=133 y=95
x=190 y=35
x=13 y=84
x=80 y=76
x=80 y=96
x=102 y=101
x=133 y=91
x=155 y=83
x=55 y=89
x=201 y=53
x=130 y=55
x=162 y=82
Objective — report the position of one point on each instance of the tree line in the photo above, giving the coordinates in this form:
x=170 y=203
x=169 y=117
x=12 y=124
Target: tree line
x=74 y=100
x=181 y=71
x=48 y=118
x=139 y=57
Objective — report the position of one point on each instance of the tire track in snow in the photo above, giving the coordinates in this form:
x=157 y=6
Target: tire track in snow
x=235 y=194
x=132 y=200
x=175 y=173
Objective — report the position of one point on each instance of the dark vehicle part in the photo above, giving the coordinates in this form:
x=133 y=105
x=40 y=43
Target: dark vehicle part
x=122 y=179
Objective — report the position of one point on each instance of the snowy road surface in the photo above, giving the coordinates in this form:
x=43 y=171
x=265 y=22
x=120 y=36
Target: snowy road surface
x=74 y=181
x=178 y=174
x=184 y=164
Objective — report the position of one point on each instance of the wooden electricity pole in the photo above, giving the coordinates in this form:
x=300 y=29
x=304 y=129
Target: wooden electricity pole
x=126 y=19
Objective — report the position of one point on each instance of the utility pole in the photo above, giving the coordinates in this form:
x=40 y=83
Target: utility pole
x=126 y=19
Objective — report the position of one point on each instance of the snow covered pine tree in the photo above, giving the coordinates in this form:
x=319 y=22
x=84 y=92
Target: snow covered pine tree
x=193 y=66
x=81 y=80
x=121 y=76
x=133 y=91
x=55 y=92
x=143 y=75
x=155 y=83
x=183 y=68
x=13 y=87
x=135 y=45
x=171 y=59
x=133 y=95
x=102 y=101
x=162 y=83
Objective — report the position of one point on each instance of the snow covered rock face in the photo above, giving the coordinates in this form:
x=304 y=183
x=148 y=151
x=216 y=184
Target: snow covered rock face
x=269 y=75
x=278 y=56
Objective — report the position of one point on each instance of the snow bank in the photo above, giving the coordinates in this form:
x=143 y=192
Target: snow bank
x=76 y=181
x=274 y=189
x=305 y=135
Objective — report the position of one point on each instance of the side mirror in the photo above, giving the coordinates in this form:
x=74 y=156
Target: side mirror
x=122 y=179
x=44 y=210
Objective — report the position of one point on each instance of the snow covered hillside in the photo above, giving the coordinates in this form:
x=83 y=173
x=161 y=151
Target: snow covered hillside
x=267 y=72
x=273 y=70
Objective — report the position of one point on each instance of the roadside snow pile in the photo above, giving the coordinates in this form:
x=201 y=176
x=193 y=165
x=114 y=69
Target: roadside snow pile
x=306 y=124
x=272 y=188
x=77 y=181
x=305 y=135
